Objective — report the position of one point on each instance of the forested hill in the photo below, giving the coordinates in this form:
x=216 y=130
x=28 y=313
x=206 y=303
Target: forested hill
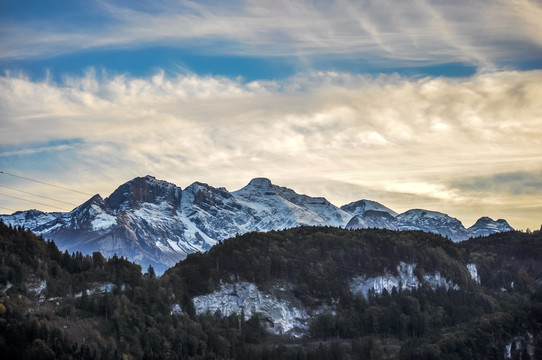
x=319 y=261
x=304 y=293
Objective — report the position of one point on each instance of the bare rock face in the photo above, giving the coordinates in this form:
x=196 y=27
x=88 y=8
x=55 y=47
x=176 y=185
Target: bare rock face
x=245 y=298
x=141 y=190
x=405 y=280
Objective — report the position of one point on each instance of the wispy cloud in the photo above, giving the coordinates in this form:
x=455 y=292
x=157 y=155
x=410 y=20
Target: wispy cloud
x=414 y=138
x=481 y=33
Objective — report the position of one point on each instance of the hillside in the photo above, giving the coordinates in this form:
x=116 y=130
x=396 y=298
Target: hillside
x=348 y=294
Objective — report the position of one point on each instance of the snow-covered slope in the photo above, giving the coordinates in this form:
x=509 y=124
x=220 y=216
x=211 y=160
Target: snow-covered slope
x=373 y=219
x=153 y=222
x=274 y=207
x=486 y=226
x=29 y=219
x=432 y=221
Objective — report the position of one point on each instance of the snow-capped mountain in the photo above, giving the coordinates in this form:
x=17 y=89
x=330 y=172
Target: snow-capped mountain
x=30 y=219
x=416 y=219
x=486 y=226
x=432 y=221
x=362 y=206
x=273 y=207
x=153 y=222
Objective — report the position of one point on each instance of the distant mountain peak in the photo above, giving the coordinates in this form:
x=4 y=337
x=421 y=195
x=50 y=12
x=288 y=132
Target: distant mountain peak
x=361 y=206
x=196 y=186
x=261 y=182
x=485 y=226
x=484 y=220
x=94 y=200
x=145 y=189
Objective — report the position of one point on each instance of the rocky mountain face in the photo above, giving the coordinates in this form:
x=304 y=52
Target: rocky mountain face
x=153 y=222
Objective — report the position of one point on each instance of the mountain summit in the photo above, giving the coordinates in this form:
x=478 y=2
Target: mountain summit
x=154 y=222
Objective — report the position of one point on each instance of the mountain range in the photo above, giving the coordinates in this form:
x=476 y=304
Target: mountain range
x=154 y=222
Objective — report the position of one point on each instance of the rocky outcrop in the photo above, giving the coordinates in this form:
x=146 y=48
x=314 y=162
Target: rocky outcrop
x=405 y=280
x=245 y=298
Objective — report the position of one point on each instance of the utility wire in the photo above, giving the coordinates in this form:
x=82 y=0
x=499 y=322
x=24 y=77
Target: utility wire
x=18 y=198
x=44 y=183
x=41 y=196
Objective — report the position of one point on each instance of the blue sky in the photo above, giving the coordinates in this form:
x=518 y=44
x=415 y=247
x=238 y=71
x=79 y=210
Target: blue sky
x=413 y=104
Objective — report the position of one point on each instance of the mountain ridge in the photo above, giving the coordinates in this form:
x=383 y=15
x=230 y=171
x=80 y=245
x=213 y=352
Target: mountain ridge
x=154 y=222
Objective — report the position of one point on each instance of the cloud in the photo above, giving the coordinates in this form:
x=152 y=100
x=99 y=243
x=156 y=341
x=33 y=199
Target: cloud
x=415 y=138
x=514 y=183
x=480 y=33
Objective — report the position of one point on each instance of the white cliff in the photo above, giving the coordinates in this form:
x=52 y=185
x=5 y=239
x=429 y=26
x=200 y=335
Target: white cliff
x=405 y=280
x=245 y=297
x=473 y=271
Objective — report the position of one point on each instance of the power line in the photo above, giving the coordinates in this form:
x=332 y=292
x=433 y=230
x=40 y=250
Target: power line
x=41 y=196
x=36 y=202
x=5 y=208
x=44 y=183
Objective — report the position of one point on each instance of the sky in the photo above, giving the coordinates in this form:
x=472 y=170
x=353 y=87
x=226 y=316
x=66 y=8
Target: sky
x=414 y=104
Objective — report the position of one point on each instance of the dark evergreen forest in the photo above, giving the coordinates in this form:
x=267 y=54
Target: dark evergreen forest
x=56 y=305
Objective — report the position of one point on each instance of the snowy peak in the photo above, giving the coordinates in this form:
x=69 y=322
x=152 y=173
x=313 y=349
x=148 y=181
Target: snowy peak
x=29 y=219
x=93 y=215
x=261 y=183
x=421 y=215
x=486 y=226
x=361 y=206
x=144 y=190
x=274 y=207
x=433 y=221
x=256 y=188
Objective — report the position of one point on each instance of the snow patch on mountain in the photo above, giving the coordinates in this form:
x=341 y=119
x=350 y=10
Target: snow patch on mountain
x=245 y=297
x=103 y=221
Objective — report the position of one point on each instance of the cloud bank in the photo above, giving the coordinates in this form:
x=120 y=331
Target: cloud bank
x=438 y=143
